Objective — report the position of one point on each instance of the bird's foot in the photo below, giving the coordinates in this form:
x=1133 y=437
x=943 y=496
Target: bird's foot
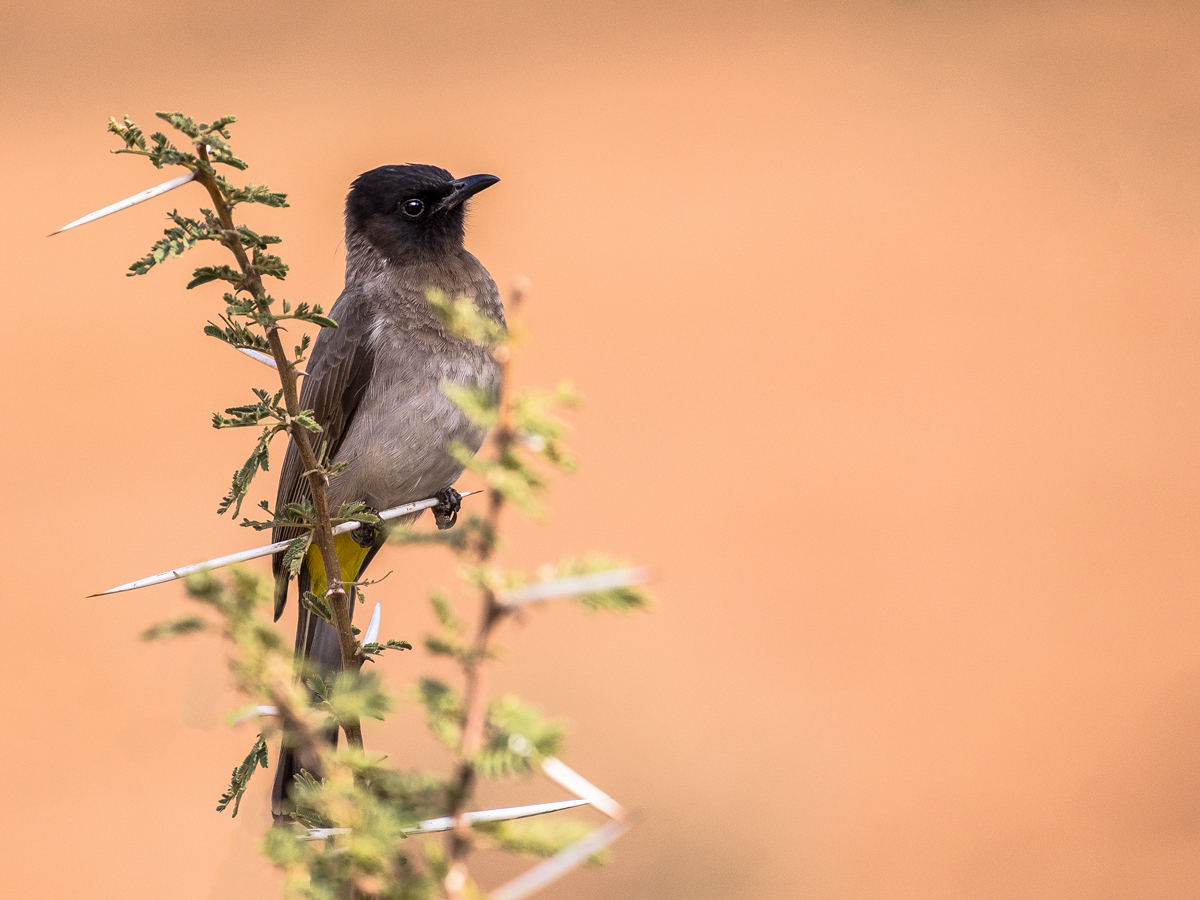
x=446 y=511
x=364 y=535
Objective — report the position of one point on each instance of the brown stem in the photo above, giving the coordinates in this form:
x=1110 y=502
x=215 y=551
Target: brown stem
x=322 y=527
x=474 y=674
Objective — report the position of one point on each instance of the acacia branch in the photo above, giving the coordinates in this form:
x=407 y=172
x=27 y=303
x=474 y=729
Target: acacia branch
x=322 y=526
x=491 y=614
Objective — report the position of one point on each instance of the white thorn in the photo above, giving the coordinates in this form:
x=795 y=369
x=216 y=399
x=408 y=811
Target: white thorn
x=372 y=631
x=255 y=713
x=320 y=834
x=259 y=356
x=562 y=863
x=575 y=585
x=142 y=197
x=267 y=360
x=445 y=823
x=244 y=555
x=558 y=771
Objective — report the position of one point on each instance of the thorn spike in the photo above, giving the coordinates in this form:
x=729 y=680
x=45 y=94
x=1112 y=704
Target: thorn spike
x=558 y=771
x=140 y=197
x=562 y=863
x=259 y=356
x=372 y=632
x=574 y=585
x=445 y=823
x=255 y=553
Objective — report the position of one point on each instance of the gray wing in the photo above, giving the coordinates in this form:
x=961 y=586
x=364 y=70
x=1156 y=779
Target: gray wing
x=339 y=370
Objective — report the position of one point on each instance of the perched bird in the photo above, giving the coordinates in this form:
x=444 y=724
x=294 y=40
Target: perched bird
x=374 y=383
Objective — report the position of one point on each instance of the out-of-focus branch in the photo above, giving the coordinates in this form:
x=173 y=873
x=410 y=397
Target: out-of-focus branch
x=491 y=614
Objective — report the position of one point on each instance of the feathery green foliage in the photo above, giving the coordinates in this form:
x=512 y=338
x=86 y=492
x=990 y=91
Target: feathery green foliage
x=175 y=628
x=240 y=779
x=537 y=837
x=443 y=710
x=246 y=318
x=463 y=319
x=374 y=648
x=517 y=735
x=620 y=599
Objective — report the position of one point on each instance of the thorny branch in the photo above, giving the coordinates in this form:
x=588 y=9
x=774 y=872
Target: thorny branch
x=322 y=526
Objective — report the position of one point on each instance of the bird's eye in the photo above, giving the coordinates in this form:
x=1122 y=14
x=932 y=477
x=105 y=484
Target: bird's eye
x=412 y=208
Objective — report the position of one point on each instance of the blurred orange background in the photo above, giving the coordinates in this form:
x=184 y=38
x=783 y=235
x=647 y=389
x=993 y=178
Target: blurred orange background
x=886 y=316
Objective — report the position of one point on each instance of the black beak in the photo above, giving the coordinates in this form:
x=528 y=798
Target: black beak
x=462 y=188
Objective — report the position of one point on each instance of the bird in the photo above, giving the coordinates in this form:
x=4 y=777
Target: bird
x=375 y=386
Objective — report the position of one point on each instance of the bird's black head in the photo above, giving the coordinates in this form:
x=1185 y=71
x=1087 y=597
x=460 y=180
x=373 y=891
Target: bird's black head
x=413 y=211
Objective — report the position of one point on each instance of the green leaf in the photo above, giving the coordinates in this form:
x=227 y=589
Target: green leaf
x=471 y=532
x=479 y=405
x=293 y=557
x=374 y=649
x=205 y=274
x=175 y=242
x=449 y=641
x=509 y=475
x=541 y=837
x=269 y=264
x=208 y=134
x=259 y=459
x=161 y=151
x=267 y=407
x=238 y=335
x=318 y=606
x=180 y=122
x=307 y=795
x=251 y=193
x=133 y=136
x=241 y=306
x=176 y=628
x=302 y=347
x=443 y=711
x=355 y=512
x=621 y=599
x=241 y=776
x=540 y=431
x=255 y=240
x=357 y=695
x=444 y=613
x=440 y=646
x=516 y=734
x=305 y=313
x=462 y=318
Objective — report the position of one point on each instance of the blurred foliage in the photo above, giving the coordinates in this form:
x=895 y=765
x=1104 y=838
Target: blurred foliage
x=537 y=837
x=174 y=628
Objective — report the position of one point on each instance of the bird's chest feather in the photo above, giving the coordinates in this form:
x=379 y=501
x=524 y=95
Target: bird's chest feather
x=396 y=450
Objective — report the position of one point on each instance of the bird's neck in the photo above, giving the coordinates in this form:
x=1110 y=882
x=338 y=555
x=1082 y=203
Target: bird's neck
x=363 y=262
x=371 y=273
x=367 y=263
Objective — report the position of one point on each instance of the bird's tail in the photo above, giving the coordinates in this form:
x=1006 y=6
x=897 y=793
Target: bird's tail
x=318 y=648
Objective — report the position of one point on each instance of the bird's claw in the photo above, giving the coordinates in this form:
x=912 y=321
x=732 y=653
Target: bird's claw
x=364 y=535
x=449 y=502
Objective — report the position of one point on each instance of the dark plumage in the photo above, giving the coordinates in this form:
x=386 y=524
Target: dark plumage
x=374 y=383
x=411 y=211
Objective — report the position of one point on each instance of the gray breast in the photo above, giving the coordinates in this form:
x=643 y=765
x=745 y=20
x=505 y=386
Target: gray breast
x=395 y=449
